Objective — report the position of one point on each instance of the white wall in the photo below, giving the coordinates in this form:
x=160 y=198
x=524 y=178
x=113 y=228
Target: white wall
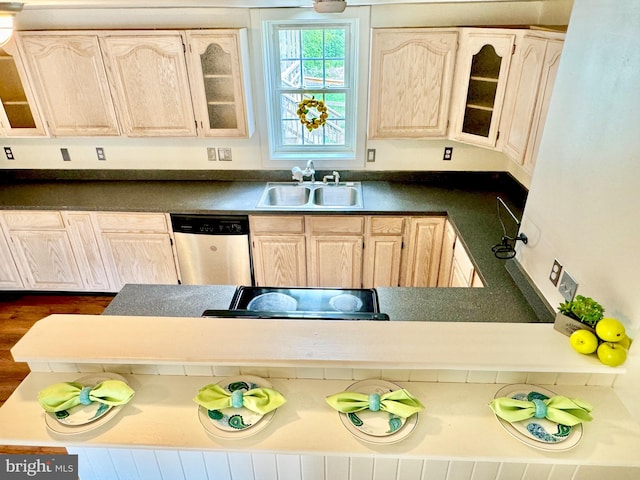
x=191 y=154
x=583 y=204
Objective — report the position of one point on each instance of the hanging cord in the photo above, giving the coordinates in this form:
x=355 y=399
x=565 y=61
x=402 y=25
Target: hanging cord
x=506 y=248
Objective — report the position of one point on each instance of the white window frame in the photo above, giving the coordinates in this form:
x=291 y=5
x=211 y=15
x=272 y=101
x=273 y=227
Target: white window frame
x=352 y=154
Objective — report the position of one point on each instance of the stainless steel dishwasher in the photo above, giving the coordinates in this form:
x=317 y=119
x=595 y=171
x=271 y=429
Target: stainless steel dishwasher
x=213 y=249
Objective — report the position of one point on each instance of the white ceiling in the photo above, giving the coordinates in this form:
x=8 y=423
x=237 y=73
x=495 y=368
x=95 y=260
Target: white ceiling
x=37 y=4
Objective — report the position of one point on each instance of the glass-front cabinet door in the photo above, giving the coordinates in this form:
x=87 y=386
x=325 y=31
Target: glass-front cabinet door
x=19 y=116
x=483 y=65
x=220 y=86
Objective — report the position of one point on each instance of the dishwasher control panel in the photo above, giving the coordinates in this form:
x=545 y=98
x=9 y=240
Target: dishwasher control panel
x=210 y=224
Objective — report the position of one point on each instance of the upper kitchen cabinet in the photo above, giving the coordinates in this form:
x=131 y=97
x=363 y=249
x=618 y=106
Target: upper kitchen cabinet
x=528 y=98
x=148 y=76
x=19 y=114
x=411 y=79
x=220 y=82
x=482 y=69
x=69 y=78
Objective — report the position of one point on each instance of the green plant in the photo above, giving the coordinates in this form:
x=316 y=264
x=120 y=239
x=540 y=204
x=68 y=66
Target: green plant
x=584 y=309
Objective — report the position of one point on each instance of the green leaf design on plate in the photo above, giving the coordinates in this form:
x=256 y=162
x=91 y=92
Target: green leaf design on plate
x=355 y=419
x=394 y=423
x=536 y=395
x=215 y=414
x=237 y=422
x=563 y=430
x=61 y=414
x=232 y=387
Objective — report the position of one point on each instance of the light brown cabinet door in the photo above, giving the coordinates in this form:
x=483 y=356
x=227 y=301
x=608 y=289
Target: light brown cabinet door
x=140 y=258
x=87 y=251
x=19 y=112
x=280 y=260
x=526 y=83
x=381 y=266
x=46 y=259
x=421 y=261
x=411 y=78
x=69 y=77
x=9 y=276
x=220 y=82
x=148 y=73
x=335 y=261
x=547 y=81
x=483 y=67
x=382 y=251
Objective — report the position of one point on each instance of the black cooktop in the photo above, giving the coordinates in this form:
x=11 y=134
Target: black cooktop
x=303 y=302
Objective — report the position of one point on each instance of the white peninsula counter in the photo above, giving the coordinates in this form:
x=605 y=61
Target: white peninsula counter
x=455 y=369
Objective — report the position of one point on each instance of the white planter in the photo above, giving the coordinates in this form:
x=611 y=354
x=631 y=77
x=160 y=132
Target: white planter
x=567 y=325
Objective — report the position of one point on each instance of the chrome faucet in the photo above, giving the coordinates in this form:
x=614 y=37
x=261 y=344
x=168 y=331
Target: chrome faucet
x=298 y=174
x=335 y=176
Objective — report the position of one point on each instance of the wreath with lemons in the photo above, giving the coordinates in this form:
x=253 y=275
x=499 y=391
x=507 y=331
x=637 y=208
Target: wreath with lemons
x=317 y=121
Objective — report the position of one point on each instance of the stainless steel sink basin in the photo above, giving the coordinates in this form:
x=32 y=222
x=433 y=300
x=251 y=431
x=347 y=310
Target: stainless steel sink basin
x=288 y=195
x=336 y=196
x=311 y=196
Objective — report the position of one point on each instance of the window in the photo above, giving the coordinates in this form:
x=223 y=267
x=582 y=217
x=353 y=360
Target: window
x=305 y=59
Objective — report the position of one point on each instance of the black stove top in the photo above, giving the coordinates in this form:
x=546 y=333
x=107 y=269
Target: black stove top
x=303 y=303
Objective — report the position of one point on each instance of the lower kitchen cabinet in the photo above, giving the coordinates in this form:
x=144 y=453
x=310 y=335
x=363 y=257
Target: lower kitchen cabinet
x=84 y=251
x=137 y=248
x=279 y=250
x=383 y=251
x=335 y=251
x=9 y=276
x=421 y=261
x=456 y=267
x=42 y=250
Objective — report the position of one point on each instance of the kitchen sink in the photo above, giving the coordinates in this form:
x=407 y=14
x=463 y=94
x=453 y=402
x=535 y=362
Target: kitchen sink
x=286 y=195
x=311 y=195
x=336 y=196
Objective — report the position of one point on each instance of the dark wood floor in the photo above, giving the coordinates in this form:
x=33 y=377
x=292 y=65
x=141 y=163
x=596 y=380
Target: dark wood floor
x=17 y=314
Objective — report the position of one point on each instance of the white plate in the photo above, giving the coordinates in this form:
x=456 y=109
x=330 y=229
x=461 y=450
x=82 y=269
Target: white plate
x=83 y=418
x=232 y=423
x=377 y=427
x=539 y=432
x=273 y=302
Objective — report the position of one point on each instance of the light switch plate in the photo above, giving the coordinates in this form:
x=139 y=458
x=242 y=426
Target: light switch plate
x=224 y=154
x=65 y=154
x=211 y=154
x=568 y=286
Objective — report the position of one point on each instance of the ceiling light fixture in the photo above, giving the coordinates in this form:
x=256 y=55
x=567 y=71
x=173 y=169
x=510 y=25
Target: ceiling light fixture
x=7 y=11
x=329 y=6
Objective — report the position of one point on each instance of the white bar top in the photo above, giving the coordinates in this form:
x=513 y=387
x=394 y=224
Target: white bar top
x=303 y=343
x=457 y=423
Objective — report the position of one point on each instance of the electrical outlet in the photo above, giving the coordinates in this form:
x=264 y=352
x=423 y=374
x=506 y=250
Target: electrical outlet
x=211 y=154
x=371 y=155
x=65 y=154
x=8 y=153
x=224 y=154
x=568 y=286
x=100 y=153
x=556 y=270
x=448 y=153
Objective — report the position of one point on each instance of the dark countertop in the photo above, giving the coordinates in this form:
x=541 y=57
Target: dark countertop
x=470 y=204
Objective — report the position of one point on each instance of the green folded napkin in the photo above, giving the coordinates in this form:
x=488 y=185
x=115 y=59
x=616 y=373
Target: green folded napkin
x=399 y=402
x=558 y=409
x=63 y=396
x=259 y=400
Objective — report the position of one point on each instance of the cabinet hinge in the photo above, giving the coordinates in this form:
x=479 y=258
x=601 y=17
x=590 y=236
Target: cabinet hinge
x=513 y=49
x=171 y=241
x=184 y=48
x=498 y=135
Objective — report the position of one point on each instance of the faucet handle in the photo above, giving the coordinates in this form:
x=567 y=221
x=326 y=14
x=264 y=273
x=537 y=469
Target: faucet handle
x=336 y=177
